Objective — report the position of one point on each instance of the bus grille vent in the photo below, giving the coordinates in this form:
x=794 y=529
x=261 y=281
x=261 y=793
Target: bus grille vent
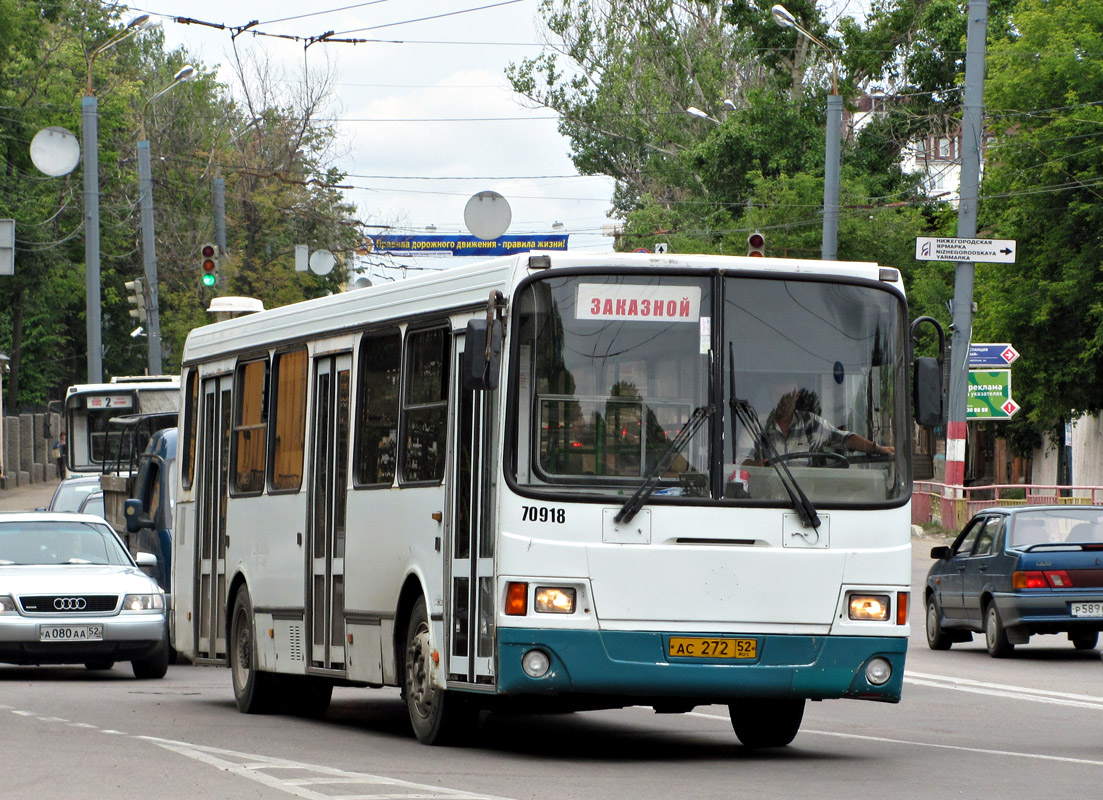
x=295 y=636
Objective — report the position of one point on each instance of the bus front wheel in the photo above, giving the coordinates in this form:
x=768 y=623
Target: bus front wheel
x=254 y=691
x=764 y=722
x=436 y=715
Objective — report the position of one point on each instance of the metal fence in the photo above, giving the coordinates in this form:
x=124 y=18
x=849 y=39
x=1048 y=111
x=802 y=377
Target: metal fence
x=951 y=506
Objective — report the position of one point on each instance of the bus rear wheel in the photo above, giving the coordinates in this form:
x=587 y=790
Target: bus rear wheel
x=765 y=722
x=437 y=716
x=254 y=691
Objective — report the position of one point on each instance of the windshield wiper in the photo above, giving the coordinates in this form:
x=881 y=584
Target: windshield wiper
x=803 y=506
x=636 y=501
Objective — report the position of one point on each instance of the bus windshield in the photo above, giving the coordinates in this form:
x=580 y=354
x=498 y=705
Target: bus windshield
x=797 y=376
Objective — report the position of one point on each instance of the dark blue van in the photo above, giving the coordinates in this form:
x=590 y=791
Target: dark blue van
x=149 y=510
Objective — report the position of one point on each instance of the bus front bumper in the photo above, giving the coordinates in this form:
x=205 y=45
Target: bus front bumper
x=635 y=664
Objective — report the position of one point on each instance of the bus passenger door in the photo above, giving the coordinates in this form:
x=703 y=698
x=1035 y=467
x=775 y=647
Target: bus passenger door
x=326 y=526
x=471 y=563
x=212 y=477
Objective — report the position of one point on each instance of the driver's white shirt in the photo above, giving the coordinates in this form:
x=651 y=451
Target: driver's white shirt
x=808 y=433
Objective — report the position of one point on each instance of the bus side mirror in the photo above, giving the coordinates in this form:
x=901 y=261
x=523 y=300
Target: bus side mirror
x=482 y=354
x=927 y=391
x=133 y=511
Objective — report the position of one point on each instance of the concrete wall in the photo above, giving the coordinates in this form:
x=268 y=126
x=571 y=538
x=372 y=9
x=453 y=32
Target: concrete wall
x=1087 y=455
x=1087 y=452
x=27 y=440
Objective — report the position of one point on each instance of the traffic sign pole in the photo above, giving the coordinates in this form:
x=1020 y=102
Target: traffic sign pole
x=971 y=139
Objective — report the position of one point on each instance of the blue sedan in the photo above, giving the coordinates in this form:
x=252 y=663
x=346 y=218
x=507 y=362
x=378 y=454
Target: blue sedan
x=1016 y=572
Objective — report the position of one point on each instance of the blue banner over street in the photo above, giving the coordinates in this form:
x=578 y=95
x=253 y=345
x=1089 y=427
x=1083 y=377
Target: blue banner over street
x=463 y=245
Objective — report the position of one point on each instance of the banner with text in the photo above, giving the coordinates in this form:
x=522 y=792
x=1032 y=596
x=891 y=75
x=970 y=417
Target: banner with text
x=463 y=245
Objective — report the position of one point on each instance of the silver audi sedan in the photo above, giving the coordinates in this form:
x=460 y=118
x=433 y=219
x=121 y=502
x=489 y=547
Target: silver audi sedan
x=70 y=593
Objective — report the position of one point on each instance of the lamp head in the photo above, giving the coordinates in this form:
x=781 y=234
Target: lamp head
x=186 y=73
x=782 y=16
x=143 y=21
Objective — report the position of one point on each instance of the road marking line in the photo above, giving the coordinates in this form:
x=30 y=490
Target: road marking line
x=256 y=767
x=1011 y=693
x=935 y=745
x=1005 y=687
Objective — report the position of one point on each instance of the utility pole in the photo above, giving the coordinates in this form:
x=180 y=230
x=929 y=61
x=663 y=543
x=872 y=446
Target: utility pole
x=149 y=257
x=972 y=141
x=220 y=213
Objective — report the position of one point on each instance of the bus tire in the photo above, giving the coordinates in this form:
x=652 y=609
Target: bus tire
x=254 y=690
x=438 y=716
x=306 y=697
x=766 y=722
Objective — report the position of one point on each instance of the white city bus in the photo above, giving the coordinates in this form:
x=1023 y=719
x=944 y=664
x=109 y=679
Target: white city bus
x=93 y=445
x=532 y=483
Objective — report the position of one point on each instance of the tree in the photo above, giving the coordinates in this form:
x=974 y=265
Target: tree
x=281 y=190
x=633 y=68
x=1043 y=186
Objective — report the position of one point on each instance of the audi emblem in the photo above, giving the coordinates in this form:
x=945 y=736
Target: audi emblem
x=70 y=604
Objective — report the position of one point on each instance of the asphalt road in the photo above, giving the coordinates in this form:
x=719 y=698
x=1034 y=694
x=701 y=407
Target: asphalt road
x=969 y=726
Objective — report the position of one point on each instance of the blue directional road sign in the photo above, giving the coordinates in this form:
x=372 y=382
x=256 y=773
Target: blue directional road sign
x=991 y=355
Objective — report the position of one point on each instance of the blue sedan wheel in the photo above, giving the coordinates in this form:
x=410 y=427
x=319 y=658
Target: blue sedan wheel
x=936 y=637
x=995 y=635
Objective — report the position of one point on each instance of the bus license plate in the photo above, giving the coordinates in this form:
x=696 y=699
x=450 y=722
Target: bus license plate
x=711 y=647
x=1087 y=609
x=70 y=633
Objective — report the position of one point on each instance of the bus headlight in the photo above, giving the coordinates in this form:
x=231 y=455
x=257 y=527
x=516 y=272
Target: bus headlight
x=869 y=607
x=554 y=600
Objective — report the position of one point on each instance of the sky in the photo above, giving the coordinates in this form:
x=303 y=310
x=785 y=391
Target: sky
x=424 y=113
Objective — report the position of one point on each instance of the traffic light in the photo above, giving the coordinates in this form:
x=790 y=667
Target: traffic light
x=137 y=299
x=756 y=244
x=208 y=264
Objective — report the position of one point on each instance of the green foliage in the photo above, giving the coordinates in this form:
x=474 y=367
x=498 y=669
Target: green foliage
x=280 y=191
x=1042 y=189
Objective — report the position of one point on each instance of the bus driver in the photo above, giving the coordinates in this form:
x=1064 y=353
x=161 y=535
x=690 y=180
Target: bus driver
x=793 y=426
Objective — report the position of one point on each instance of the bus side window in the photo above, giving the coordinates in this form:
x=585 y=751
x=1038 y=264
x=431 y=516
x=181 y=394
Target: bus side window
x=377 y=408
x=425 y=405
x=288 y=420
x=250 y=426
x=191 y=411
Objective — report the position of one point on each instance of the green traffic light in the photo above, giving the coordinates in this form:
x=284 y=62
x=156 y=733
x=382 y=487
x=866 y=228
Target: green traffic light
x=209 y=279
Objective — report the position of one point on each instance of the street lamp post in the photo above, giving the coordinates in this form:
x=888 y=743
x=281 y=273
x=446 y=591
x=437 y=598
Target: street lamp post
x=90 y=135
x=149 y=246
x=829 y=248
x=693 y=111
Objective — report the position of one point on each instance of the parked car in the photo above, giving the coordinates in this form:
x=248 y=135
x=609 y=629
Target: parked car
x=1016 y=572
x=92 y=504
x=70 y=593
x=71 y=493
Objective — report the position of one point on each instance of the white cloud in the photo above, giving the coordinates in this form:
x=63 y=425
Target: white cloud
x=430 y=78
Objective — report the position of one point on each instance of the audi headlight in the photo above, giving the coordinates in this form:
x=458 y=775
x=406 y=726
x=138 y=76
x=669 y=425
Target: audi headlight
x=139 y=603
x=7 y=604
